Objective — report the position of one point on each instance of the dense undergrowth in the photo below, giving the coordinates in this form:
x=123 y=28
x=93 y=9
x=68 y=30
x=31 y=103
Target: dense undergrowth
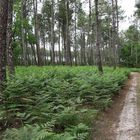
x=56 y=103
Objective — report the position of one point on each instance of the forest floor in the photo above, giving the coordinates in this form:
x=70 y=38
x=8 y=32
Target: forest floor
x=121 y=121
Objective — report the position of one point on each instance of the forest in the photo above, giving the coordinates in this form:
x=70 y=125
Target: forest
x=63 y=63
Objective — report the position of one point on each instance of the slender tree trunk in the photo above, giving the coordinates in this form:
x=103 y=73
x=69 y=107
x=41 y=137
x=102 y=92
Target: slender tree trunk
x=75 y=35
x=117 y=33
x=83 y=58
x=113 y=35
x=24 y=49
x=35 y=6
x=64 y=42
x=109 y=46
x=60 y=53
x=44 y=46
x=10 y=59
x=90 y=35
x=68 y=48
x=59 y=45
x=34 y=54
x=137 y=44
x=117 y=14
x=3 y=28
x=52 y=33
x=98 y=43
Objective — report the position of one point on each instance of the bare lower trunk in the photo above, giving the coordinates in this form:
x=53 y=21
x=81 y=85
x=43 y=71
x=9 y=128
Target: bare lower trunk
x=44 y=46
x=34 y=54
x=83 y=57
x=59 y=45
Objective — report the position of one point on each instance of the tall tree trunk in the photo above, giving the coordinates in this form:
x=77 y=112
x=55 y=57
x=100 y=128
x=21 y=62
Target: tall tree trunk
x=117 y=14
x=64 y=42
x=24 y=49
x=75 y=34
x=60 y=53
x=83 y=57
x=91 y=61
x=113 y=35
x=35 y=6
x=68 y=48
x=117 y=32
x=10 y=59
x=34 y=54
x=98 y=43
x=59 y=45
x=52 y=33
x=44 y=46
x=3 y=28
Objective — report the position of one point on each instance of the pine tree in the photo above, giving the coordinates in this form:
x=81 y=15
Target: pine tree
x=3 y=30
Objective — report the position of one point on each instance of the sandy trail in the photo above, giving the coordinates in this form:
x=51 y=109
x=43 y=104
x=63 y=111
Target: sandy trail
x=128 y=128
x=121 y=121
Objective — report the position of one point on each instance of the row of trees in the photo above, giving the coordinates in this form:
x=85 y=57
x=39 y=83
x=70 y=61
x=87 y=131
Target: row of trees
x=53 y=32
x=130 y=52
x=64 y=32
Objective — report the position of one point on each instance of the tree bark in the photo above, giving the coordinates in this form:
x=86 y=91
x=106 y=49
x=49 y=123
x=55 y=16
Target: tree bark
x=35 y=7
x=113 y=35
x=23 y=33
x=75 y=34
x=59 y=44
x=83 y=57
x=52 y=33
x=68 y=48
x=3 y=28
x=10 y=59
x=98 y=43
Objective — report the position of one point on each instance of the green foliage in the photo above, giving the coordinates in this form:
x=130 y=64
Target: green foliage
x=37 y=132
x=66 y=99
x=34 y=133
x=130 y=52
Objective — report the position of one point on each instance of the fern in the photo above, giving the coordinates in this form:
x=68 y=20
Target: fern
x=66 y=99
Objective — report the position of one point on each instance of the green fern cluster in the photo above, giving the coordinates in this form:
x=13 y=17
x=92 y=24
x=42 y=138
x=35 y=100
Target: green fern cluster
x=37 y=132
x=65 y=99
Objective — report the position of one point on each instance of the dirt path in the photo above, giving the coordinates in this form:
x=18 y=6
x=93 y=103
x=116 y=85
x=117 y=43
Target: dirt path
x=128 y=128
x=121 y=122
